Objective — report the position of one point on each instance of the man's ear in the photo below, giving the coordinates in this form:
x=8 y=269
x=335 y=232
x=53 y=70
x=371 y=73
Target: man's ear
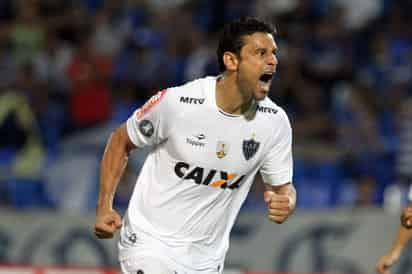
x=231 y=61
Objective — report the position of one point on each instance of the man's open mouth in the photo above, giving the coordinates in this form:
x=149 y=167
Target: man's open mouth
x=266 y=77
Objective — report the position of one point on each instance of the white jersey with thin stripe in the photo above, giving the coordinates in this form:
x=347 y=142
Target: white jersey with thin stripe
x=200 y=169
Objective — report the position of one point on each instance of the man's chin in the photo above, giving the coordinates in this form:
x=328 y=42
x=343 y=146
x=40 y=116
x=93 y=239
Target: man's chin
x=260 y=96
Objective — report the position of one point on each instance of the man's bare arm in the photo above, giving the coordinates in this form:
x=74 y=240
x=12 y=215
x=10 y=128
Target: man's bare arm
x=112 y=166
x=402 y=238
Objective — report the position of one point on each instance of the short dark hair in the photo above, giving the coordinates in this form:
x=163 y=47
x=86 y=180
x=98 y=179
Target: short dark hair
x=231 y=38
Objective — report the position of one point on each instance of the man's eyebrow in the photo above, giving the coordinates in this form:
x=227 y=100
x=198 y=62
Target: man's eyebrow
x=257 y=48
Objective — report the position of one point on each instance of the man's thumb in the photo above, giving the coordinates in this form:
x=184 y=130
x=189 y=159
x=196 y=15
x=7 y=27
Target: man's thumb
x=117 y=221
x=267 y=195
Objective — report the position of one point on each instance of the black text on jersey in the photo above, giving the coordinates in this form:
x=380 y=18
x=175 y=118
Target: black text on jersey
x=190 y=100
x=267 y=110
x=211 y=177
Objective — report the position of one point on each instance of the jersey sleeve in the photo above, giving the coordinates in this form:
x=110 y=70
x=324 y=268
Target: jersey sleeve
x=277 y=167
x=150 y=124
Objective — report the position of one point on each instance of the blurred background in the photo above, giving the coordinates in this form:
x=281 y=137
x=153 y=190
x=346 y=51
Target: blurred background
x=72 y=70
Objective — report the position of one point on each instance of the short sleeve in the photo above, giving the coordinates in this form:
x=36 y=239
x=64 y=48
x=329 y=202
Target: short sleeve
x=149 y=125
x=277 y=167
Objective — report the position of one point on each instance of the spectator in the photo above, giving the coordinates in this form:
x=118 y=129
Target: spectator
x=27 y=33
x=51 y=62
x=90 y=99
x=19 y=130
x=112 y=28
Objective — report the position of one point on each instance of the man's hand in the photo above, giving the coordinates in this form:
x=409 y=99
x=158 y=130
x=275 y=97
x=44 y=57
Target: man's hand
x=387 y=261
x=108 y=221
x=278 y=206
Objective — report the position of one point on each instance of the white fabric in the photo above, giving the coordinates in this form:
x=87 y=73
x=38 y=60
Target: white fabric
x=186 y=197
x=146 y=265
x=152 y=257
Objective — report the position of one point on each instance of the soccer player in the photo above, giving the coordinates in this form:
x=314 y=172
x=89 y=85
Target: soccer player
x=402 y=238
x=209 y=138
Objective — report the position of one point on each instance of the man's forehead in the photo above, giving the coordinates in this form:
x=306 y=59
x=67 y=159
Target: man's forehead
x=259 y=40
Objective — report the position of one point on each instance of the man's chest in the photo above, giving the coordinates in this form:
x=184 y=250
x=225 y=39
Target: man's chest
x=230 y=145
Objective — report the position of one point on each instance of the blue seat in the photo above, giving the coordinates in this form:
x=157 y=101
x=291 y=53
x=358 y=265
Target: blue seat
x=314 y=193
x=26 y=193
x=7 y=155
x=318 y=182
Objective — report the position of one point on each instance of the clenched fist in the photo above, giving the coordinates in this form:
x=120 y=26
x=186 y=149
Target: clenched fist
x=278 y=206
x=402 y=238
x=108 y=221
x=386 y=261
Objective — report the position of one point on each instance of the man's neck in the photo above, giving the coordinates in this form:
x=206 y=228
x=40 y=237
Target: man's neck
x=228 y=96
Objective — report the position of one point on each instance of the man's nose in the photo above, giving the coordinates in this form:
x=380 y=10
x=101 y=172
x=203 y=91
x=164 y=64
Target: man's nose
x=272 y=60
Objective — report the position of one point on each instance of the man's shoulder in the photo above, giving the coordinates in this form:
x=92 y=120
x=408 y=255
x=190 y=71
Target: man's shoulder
x=271 y=114
x=267 y=106
x=191 y=93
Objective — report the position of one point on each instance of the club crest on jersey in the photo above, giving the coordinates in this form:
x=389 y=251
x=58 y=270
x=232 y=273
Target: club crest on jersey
x=222 y=149
x=250 y=147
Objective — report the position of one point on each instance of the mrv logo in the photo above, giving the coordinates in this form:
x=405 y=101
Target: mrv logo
x=212 y=177
x=267 y=110
x=189 y=100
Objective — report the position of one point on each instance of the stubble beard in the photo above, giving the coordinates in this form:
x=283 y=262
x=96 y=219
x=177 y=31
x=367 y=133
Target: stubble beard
x=251 y=103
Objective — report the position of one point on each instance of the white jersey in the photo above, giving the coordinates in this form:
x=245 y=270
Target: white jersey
x=201 y=168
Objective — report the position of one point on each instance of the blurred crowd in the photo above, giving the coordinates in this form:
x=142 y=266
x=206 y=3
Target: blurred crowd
x=72 y=70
